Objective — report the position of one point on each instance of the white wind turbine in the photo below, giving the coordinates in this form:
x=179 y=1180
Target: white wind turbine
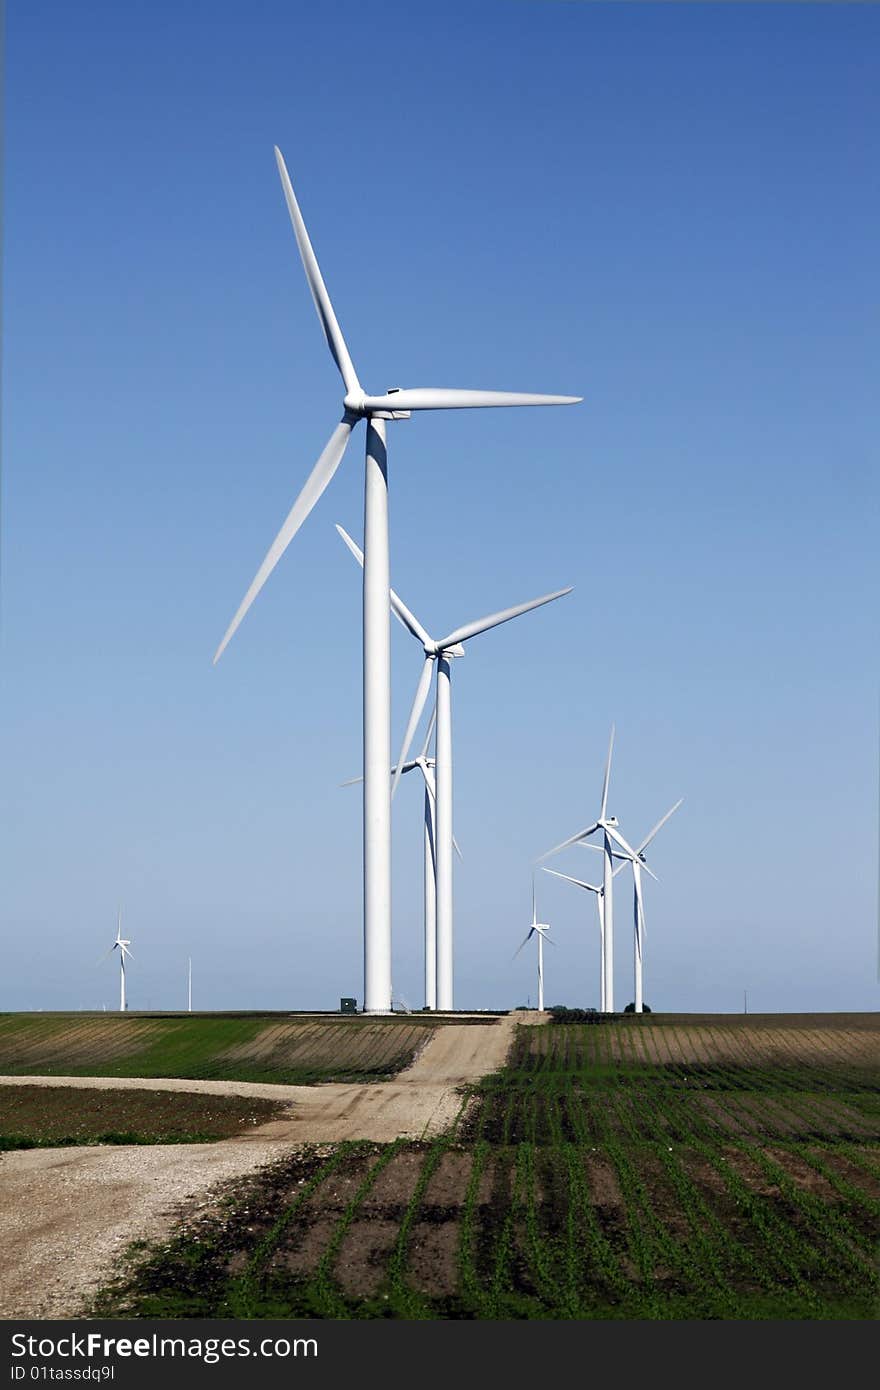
x=426 y=765
x=442 y=652
x=610 y=836
x=538 y=929
x=121 y=944
x=395 y=404
x=637 y=860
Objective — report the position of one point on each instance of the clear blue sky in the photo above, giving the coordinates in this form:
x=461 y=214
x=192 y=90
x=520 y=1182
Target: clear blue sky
x=670 y=210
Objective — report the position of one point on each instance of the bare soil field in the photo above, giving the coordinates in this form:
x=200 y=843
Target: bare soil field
x=40 y=1116
x=287 y=1051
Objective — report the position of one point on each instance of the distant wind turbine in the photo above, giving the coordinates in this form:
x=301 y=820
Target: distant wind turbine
x=121 y=944
x=395 y=404
x=610 y=836
x=637 y=862
x=442 y=653
x=538 y=929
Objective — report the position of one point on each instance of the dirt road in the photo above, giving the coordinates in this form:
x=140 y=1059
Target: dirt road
x=67 y=1214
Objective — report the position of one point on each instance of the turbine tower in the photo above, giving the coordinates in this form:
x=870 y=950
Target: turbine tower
x=442 y=652
x=395 y=404
x=538 y=929
x=426 y=766
x=637 y=861
x=610 y=836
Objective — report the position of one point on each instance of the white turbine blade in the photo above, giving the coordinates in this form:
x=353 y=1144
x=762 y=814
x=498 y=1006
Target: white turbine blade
x=431 y=722
x=661 y=822
x=523 y=943
x=125 y=951
x=637 y=887
x=455 y=846
x=106 y=956
x=332 y=331
x=580 y=883
x=607 y=777
x=398 y=607
x=415 y=715
x=315 y=484
x=429 y=781
x=572 y=839
x=462 y=634
x=444 y=398
x=589 y=844
x=407 y=767
x=534 y=908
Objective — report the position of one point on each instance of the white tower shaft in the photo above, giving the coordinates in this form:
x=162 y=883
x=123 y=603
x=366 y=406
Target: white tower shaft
x=430 y=906
x=377 y=727
x=608 y=925
x=443 y=845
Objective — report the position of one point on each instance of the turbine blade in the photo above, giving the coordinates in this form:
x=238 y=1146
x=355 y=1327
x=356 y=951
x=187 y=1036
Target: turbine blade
x=332 y=331
x=444 y=398
x=534 y=908
x=106 y=956
x=398 y=607
x=431 y=722
x=661 y=822
x=462 y=634
x=572 y=839
x=315 y=484
x=415 y=715
x=407 y=767
x=618 y=839
x=607 y=777
x=455 y=846
x=523 y=943
x=580 y=883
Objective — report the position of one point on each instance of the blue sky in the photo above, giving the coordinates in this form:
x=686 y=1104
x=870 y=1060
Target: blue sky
x=670 y=210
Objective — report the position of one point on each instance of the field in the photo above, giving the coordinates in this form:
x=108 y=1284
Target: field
x=46 y=1117
x=658 y=1168
x=282 y=1050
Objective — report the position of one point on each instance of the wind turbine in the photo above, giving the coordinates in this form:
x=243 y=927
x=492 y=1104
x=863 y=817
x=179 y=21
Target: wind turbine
x=121 y=944
x=637 y=860
x=610 y=836
x=189 y=985
x=426 y=765
x=540 y=930
x=442 y=652
x=395 y=404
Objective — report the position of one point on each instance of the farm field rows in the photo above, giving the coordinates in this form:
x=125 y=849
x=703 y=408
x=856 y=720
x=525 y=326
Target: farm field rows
x=641 y=1169
x=286 y=1051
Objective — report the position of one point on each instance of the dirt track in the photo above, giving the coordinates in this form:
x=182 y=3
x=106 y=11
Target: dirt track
x=66 y=1214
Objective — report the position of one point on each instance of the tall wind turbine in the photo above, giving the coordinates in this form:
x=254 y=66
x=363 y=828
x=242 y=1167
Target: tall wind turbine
x=189 y=985
x=395 y=404
x=610 y=836
x=426 y=764
x=442 y=652
x=121 y=944
x=538 y=929
x=637 y=861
